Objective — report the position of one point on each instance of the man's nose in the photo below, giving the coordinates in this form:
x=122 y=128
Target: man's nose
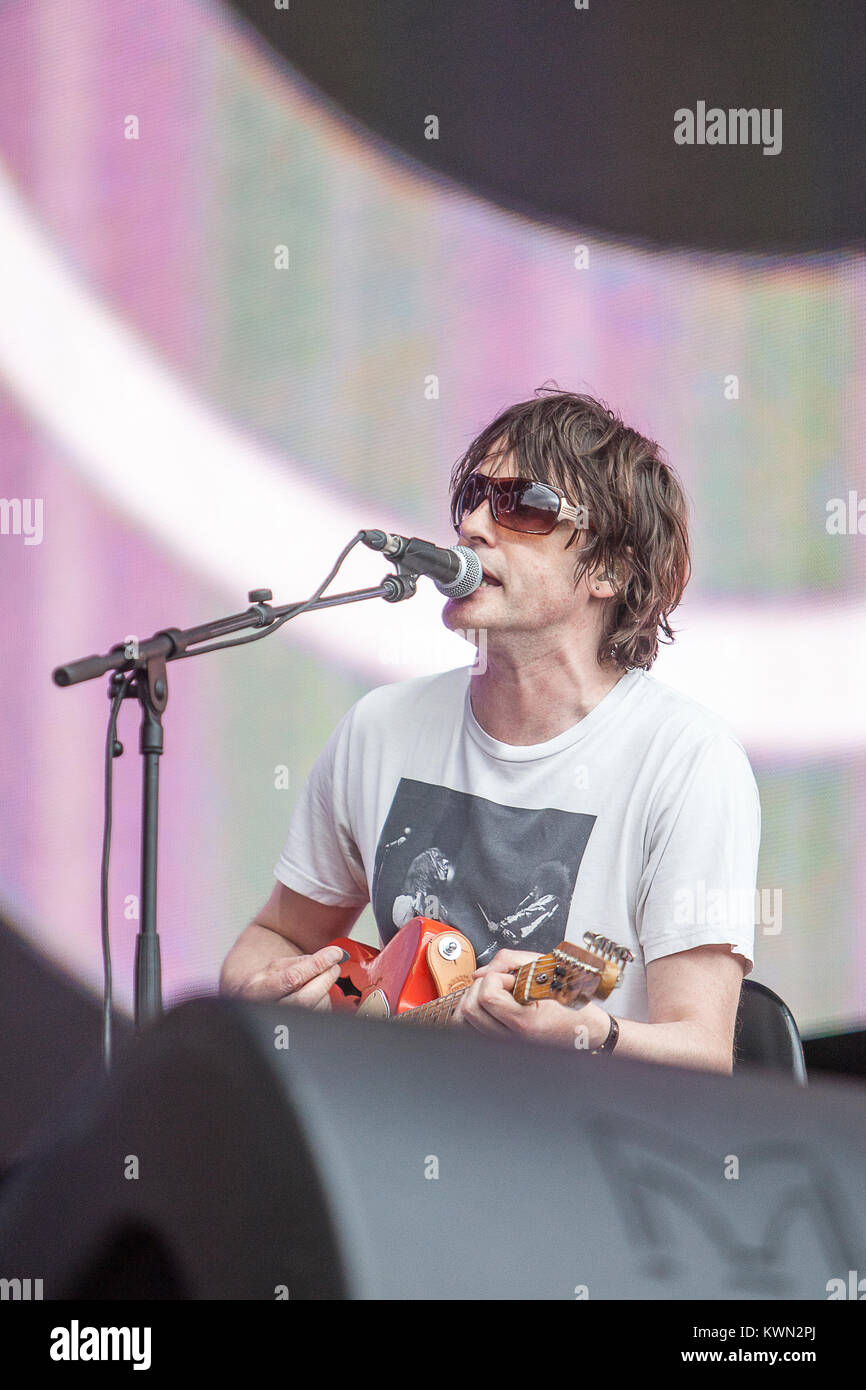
x=479 y=523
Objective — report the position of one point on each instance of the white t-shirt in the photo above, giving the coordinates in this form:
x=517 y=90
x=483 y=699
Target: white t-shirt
x=641 y=822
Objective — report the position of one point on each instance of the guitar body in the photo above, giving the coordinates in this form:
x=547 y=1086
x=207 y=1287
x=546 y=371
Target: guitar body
x=426 y=960
x=422 y=972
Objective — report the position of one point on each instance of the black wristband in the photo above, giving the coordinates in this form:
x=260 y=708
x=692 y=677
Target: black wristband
x=611 y=1040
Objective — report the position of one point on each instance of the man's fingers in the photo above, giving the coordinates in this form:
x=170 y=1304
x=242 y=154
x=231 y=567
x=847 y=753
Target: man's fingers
x=298 y=971
x=505 y=961
x=484 y=1022
x=495 y=997
x=487 y=1005
x=287 y=977
x=310 y=995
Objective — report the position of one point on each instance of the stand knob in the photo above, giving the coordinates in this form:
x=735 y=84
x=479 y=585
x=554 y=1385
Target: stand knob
x=260 y=595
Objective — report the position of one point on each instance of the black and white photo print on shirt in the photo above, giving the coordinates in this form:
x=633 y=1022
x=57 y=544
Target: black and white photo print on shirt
x=502 y=875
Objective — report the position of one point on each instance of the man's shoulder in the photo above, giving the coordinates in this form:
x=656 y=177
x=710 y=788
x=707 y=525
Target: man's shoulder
x=442 y=693
x=679 y=720
x=691 y=751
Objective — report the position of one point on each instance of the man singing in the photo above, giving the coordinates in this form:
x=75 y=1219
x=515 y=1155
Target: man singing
x=561 y=786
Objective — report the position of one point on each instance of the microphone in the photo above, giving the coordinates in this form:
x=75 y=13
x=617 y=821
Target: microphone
x=456 y=571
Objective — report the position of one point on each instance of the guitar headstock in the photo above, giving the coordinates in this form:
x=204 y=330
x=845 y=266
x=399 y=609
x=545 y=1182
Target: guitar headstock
x=572 y=975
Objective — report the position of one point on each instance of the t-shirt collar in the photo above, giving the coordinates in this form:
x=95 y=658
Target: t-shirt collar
x=523 y=753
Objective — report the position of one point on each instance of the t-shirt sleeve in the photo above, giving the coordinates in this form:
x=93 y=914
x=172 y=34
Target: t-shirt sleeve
x=320 y=857
x=699 y=879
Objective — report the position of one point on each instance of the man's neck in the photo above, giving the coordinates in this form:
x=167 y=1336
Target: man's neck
x=534 y=699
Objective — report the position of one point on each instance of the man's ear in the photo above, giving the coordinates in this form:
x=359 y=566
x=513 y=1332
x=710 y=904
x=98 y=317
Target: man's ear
x=608 y=581
x=602 y=584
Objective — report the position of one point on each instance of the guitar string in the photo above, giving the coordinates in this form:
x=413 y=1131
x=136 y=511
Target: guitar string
x=441 y=1008
x=434 y=1009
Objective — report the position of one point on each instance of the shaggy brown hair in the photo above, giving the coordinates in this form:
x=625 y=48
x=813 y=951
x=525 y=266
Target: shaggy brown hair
x=638 y=522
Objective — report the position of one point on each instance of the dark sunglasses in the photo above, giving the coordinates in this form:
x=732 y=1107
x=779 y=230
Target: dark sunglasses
x=518 y=504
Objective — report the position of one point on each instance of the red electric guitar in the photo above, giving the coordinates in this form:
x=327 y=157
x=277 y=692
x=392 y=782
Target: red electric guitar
x=425 y=968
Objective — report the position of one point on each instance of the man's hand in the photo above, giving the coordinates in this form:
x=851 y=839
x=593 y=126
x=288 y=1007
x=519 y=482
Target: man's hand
x=301 y=980
x=489 y=1007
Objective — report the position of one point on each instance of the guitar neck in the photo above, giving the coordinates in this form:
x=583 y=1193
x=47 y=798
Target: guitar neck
x=436 y=1011
x=546 y=985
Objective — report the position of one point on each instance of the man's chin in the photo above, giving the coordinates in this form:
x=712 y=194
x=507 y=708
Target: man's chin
x=460 y=611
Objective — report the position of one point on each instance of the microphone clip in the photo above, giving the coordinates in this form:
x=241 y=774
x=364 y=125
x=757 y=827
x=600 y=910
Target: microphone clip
x=400 y=585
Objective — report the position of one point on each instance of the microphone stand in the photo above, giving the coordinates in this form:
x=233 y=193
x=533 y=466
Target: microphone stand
x=149 y=685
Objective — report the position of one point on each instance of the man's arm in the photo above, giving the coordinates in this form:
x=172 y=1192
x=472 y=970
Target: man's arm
x=692 y=997
x=282 y=952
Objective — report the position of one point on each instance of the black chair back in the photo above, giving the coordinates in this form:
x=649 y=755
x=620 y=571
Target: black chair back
x=766 y=1034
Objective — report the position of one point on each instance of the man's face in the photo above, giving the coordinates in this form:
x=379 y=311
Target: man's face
x=535 y=574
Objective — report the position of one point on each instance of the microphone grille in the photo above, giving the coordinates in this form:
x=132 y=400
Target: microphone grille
x=469 y=577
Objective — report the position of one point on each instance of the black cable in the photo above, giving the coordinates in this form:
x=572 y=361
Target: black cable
x=110 y=740
x=278 y=622
x=241 y=641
